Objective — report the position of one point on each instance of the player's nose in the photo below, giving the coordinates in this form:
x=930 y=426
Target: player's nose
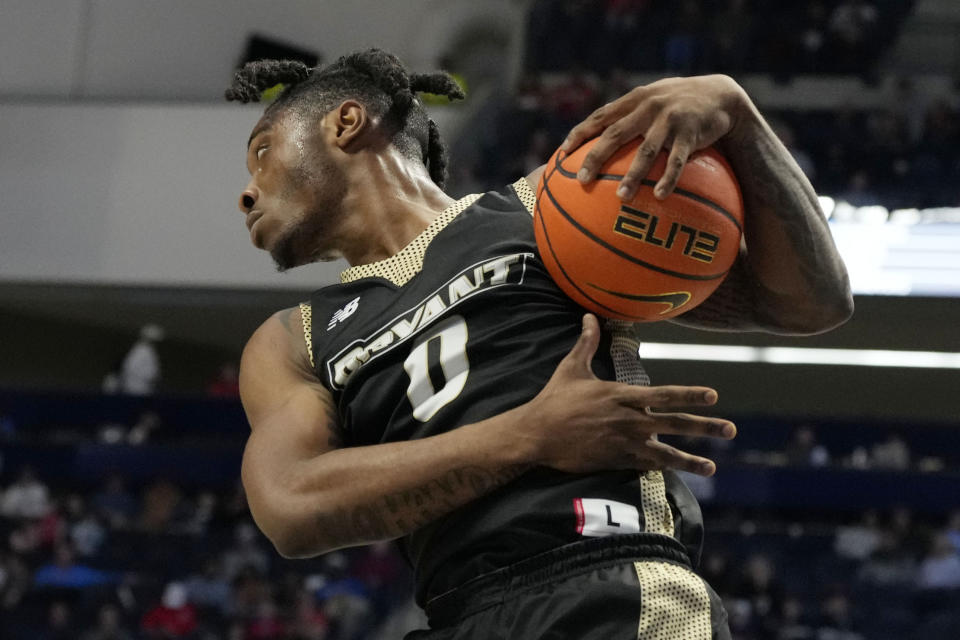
x=248 y=198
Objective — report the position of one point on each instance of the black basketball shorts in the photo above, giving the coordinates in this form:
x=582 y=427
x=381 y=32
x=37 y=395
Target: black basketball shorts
x=631 y=587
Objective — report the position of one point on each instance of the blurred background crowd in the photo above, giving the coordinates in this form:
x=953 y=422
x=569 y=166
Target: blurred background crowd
x=582 y=54
x=121 y=516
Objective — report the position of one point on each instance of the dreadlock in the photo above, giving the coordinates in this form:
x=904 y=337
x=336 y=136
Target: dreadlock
x=375 y=78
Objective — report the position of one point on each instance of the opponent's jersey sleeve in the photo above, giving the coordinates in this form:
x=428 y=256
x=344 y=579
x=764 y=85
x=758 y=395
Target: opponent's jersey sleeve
x=461 y=325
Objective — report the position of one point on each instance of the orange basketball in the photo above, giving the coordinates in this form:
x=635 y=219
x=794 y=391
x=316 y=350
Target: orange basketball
x=646 y=259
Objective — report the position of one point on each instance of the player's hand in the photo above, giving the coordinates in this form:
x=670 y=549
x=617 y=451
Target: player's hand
x=580 y=423
x=682 y=114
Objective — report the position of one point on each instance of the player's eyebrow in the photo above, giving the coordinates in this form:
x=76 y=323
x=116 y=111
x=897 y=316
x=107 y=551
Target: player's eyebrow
x=257 y=130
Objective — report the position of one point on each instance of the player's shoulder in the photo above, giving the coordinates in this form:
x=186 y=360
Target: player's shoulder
x=283 y=338
x=519 y=195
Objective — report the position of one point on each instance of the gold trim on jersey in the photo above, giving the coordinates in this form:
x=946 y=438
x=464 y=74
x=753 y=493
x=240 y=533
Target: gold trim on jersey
x=526 y=194
x=306 y=318
x=408 y=262
x=624 y=347
x=675 y=603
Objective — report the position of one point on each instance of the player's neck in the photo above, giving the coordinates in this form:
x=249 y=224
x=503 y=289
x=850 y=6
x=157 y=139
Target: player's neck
x=391 y=201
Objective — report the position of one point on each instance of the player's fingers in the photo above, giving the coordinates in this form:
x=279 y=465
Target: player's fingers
x=581 y=356
x=669 y=457
x=596 y=122
x=677 y=160
x=685 y=424
x=643 y=161
x=613 y=137
x=667 y=396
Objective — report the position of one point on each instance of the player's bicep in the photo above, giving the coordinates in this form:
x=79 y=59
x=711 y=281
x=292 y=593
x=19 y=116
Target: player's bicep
x=293 y=419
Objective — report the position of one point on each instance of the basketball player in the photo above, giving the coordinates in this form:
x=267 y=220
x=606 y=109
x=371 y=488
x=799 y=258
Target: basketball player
x=446 y=392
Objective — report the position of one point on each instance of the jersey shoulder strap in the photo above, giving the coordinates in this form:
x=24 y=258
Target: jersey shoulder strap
x=306 y=320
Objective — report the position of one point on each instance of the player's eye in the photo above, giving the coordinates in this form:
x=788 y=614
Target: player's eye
x=260 y=151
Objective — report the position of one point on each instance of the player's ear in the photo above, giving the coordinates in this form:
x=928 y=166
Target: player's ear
x=351 y=121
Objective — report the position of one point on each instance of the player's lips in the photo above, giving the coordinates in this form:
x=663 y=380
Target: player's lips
x=252 y=217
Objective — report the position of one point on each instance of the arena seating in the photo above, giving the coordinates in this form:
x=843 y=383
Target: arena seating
x=169 y=510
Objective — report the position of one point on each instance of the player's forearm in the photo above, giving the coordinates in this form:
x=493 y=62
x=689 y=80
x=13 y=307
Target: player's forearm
x=800 y=281
x=359 y=495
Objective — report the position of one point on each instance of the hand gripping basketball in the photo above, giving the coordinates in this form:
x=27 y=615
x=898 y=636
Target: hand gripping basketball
x=581 y=424
x=684 y=114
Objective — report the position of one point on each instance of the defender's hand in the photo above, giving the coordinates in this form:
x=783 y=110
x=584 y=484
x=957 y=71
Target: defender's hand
x=581 y=423
x=684 y=114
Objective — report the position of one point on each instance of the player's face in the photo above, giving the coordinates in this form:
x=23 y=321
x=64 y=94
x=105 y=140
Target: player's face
x=294 y=196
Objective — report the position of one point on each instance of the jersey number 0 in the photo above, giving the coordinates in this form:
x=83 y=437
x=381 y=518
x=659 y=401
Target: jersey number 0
x=446 y=345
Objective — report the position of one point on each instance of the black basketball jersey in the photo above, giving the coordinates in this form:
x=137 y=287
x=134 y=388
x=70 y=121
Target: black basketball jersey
x=463 y=324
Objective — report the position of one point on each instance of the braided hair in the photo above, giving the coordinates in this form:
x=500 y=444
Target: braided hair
x=375 y=78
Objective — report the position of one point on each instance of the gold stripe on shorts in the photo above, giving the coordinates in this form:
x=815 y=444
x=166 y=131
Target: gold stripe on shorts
x=674 y=603
x=657 y=516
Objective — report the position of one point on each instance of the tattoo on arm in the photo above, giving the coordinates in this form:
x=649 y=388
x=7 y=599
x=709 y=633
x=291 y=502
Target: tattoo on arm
x=792 y=269
x=400 y=513
x=779 y=188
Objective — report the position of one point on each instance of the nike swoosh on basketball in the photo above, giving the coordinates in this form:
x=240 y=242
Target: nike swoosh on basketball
x=674 y=300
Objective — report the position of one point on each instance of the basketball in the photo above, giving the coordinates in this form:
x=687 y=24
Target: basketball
x=646 y=259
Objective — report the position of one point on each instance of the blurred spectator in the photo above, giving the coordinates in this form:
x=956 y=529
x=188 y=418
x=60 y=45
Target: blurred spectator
x=162 y=507
x=795 y=624
x=732 y=36
x=109 y=625
x=174 y=617
x=26 y=498
x=859 y=541
x=246 y=590
x=813 y=38
x=346 y=600
x=893 y=453
x=940 y=568
x=8 y=428
x=209 y=589
x=246 y=553
x=913 y=536
x=59 y=623
x=114 y=503
x=802 y=158
x=266 y=623
x=859 y=191
x=15 y=581
x=715 y=569
x=573 y=98
x=203 y=512
x=803 y=450
x=853 y=25
x=953 y=529
x=85 y=531
x=65 y=573
x=889 y=565
x=761 y=589
x=227 y=382
x=140 y=372
x=683 y=47
x=144 y=428
x=836 y=622
x=381 y=570
x=309 y=621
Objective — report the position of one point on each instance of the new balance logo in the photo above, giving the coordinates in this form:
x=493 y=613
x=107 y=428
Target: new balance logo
x=344 y=313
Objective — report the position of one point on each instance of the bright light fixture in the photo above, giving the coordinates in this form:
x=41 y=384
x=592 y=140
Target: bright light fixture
x=801 y=355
